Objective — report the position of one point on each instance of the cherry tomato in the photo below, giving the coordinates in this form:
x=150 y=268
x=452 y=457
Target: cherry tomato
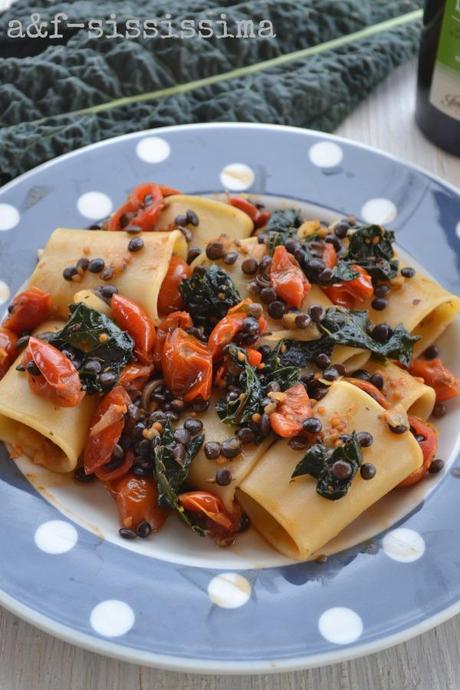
x=178 y=319
x=58 y=380
x=259 y=218
x=291 y=412
x=429 y=446
x=132 y=318
x=137 y=501
x=143 y=207
x=435 y=374
x=351 y=293
x=135 y=376
x=208 y=506
x=371 y=390
x=254 y=357
x=186 y=364
x=122 y=217
x=226 y=329
x=169 y=297
x=8 y=352
x=28 y=310
x=329 y=255
x=106 y=427
x=287 y=277
x=106 y=473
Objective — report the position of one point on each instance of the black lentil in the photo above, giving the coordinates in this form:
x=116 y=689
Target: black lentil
x=192 y=253
x=365 y=439
x=215 y=250
x=317 y=390
x=212 y=450
x=317 y=265
x=302 y=321
x=133 y=229
x=108 y=291
x=182 y=436
x=408 y=272
x=398 y=429
x=330 y=374
x=200 y=405
x=142 y=471
x=193 y=426
x=92 y=366
x=382 y=332
x=231 y=447
x=341 y=229
x=192 y=217
x=22 y=341
x=292 y=246
x=223 y=477
x=341 y=370
x=180 y=220
x=127 y=533
x=96 y=265
x=341 y=469
x=107 y=379
x=330 y=239
x=368 y=470
x=326 y=275
x=230 y=258
x=312 y=425
x=379 y=303
x=381 y=290
x=107 y=273
x=249 y=266
x=179 y=453
x=322 y=361
x=439 y=410
x=436 y=466
x=69 y=272
x=431 y=352
x=255 y=310
x=268 y=295
x=276 y=309
x=83 y=263
x=378 y=381
x=362 y=374
x=143 y=529
x=32 y=369
x=316 y=312
x=136 y=244
x=246 y=435
x=265 y=351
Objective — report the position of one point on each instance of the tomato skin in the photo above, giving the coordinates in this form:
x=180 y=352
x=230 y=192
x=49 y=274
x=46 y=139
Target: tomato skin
x=132 y=318
x=209 y=506
x=258 y=217
x=178 y=319
x=371 y=390
x=254 y=357
x=435 y=374
x=58 y=381
x=169 y=297
x=117 y=219
x=100 y=444
x=139 y=214
x=8 y=352
x=329 y=255
x=134 y=376
x=287 y=277
x=291 y=412
x=137 y=501
x=28 y=310
x=106 y=474
x=186 y=364
x=351 y=293
x=226 y=329
x=429 y=447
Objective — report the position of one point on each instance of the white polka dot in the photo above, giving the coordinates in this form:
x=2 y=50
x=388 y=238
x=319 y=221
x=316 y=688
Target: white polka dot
x=340 y=625
x=457 y=229
x=94 y=205
x=4 y=292
x=237 y=176
x=404 y=545
x=153 y=149
x=112 y=618
x=379 y=211
x=229 y=590
x=9 y=217
x=325 y=154
x=56 y=536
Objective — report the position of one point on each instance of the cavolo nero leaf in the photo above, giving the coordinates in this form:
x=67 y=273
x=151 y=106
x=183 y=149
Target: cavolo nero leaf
x=93 y=336
x=208 y=295
x=171 y=473
x=318 y=462
x=85 y=89
x=371 y=246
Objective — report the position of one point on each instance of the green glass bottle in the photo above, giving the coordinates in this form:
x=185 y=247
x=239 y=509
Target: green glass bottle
x=438 y=84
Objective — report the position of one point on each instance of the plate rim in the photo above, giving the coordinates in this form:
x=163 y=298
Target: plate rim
x=202 y=665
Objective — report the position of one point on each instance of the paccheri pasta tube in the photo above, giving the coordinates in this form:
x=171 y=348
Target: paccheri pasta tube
x=138 y=275
x=290 y=514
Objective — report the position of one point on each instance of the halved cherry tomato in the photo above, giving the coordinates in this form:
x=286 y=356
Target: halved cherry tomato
x=28 y=310
x=429 y=446
x=351 y=293
x=287 y=277
x=186 y=364
x=132 y=318
x=329 y=255
x=58 y=380
x=169 y=297
x=143 y=207
x=178 y=319
x=137 y=501
x=254 y=357
x=435 y=374
x=291 y=412
x=134 y=376
x=209 y=506
x=106 y=473
x=226 y=329
x=8 y=352
x=257 y=216
x=371 y=390
x=106 y=426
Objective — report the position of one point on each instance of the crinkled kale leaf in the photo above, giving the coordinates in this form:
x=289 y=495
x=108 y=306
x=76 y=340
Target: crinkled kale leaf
x=208 y=295
x=371 y=246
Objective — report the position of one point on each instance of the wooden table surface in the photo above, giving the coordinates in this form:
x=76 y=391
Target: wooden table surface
x=32 y=660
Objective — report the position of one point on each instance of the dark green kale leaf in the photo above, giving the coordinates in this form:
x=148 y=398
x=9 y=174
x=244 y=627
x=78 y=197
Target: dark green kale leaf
x=300 y=353
x=354 y=328
x=371 y=246
x=82 y=335
x=208 y=295
x=285 y=375
x=318 y=463
x=283 y=219
x=171 y=473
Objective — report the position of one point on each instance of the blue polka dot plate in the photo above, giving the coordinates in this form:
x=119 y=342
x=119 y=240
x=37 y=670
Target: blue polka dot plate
x=177 y=601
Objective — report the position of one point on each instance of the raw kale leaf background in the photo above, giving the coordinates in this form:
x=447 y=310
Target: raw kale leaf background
x=43 y=85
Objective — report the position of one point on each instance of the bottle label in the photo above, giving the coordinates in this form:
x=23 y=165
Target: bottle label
x=445 y=86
